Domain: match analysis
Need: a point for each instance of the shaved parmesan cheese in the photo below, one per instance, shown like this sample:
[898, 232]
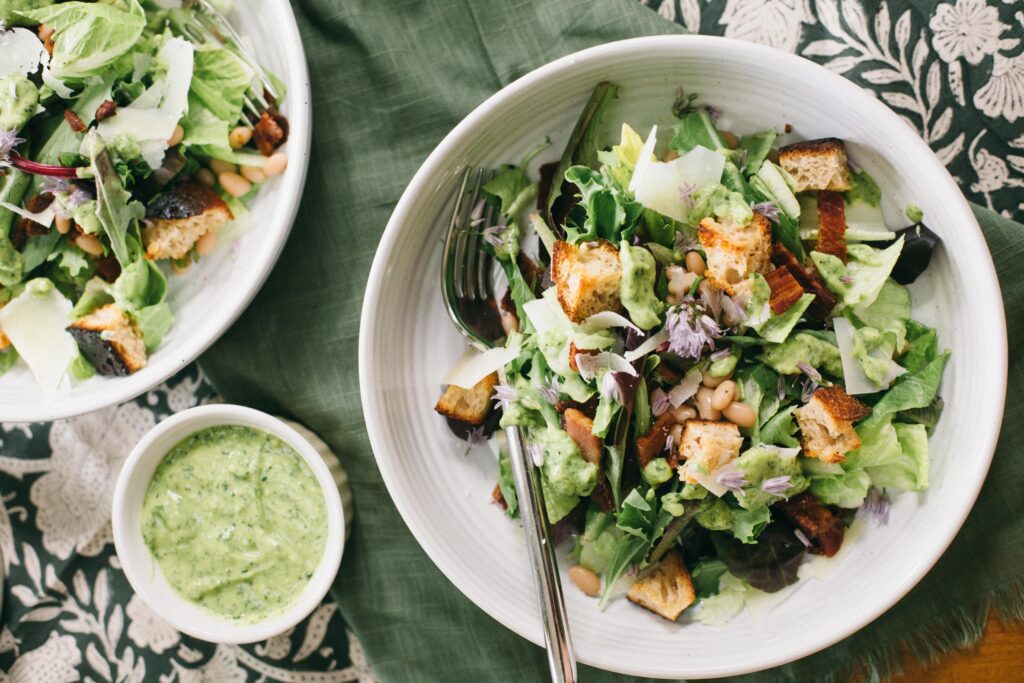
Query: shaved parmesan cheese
[697, 472]
[658, 185]
[590, 363]
[648, 346]
[43, 218]
[853, 375]
[686, 389]
[35, 322]
[474, 365]
[21, 51]
[606, 319]
[151, 118]
[545, 314]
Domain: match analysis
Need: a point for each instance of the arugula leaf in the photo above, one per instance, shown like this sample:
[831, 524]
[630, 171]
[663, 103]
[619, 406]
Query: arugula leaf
[696, 129]
[643, 523]
[609, 210]
[13, 186]
[117, 212]
[770, 565]
[706, 575]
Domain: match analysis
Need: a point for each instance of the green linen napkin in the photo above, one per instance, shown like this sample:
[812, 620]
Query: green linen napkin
[389, 80]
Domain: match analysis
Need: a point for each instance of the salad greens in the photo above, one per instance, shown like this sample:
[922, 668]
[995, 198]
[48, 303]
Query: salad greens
[712, 373]
[126, 140]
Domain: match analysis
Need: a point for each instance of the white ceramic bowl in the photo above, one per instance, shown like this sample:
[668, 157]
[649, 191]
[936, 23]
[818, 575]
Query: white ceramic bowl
[214, 292]
[142, 569]
[407, 344]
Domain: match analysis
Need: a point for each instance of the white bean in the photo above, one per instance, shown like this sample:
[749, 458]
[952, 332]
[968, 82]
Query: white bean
[586, 580]
[234, 184]
[275, 164]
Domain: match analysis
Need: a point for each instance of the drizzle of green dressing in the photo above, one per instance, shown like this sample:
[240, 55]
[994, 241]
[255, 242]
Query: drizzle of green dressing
[236, 520]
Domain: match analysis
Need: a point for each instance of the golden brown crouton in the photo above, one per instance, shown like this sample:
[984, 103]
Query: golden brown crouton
[178, 218]
[817, 164]
[826, 423]
[712, 443]
[110, 341]
[587, 278]
[667, 591]
[468, 405]
[735, 251]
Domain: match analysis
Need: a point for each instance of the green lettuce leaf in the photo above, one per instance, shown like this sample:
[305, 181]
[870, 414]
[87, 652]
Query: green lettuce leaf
[609, 209]
[804, 347]
[846, 489]
[720, 202]
[727, 601]
[760, 317]
[117, 212]
[908, 471]
[863, 188]
[757, 146]
[695, 129]
[780, 429]
[889, 312]
[867, 270]
[153, 322]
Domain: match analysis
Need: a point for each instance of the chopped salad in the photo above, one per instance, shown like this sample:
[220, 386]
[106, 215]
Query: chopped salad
[708, 343]
[131, 133]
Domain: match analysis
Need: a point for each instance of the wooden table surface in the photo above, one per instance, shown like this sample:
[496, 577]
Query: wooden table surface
[998, 658]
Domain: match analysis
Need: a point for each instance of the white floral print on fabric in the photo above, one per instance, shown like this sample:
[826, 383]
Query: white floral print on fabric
[968, 29]
[776, 23]
[56, 661]
[147, 630]
[1003, 95]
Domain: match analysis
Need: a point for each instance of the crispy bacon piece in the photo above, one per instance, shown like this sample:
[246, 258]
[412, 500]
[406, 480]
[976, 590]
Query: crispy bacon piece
[75, 121]
[270, 132]
[650, 445]
[786, 291]
[580, 429]
[824, 299]
[106, 110]
[26, 227]
[498, 497]
[589, 408]
[823, 529]
[108, 268]
[573, 353]
[831, 224]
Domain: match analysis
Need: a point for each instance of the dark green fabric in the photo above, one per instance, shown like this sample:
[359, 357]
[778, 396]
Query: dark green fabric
[389, 81]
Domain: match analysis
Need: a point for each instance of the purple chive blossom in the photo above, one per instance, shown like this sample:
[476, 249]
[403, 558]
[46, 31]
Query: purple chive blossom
[807, 390]
[536, 453]
[782, 387]
[732, 480]
[55, 185]
[877, 505]
[776, 486]
[713, 111]
[659, 402]
[767, 209]
[476, 216]
[719, 355]
[686, 194]
[743, 160]
[846, 280]
[609, 387]
[476, 437]
[670, 444]
[504, 395]
[551, 391]
[8, 141]
[811, 373]
[802, 537]
[494, 235]
[690, 330]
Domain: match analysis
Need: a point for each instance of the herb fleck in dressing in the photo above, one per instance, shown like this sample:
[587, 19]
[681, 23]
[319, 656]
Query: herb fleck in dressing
[236, 520]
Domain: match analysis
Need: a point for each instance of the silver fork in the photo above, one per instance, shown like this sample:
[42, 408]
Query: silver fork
[465, 284]
[209, 24]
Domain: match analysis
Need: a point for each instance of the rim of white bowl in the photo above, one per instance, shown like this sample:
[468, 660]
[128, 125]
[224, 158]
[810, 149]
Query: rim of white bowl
[136, 566]
[982, 270]
[289, 194]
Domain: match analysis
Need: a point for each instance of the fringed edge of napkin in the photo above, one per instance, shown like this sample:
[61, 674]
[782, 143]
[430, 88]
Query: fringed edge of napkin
[959, 630]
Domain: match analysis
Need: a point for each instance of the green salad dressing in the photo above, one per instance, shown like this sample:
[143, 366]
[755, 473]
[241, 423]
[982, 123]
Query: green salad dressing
[236, 520]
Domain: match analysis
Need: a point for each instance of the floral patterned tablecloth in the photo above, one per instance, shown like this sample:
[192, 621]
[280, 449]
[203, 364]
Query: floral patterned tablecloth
[954, 70]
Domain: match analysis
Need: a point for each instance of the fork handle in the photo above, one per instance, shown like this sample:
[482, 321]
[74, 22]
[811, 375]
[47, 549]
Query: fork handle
[561, 658]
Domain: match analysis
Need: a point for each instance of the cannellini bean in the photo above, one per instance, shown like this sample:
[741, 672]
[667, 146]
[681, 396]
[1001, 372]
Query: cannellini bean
[674, 271]
[239, 137]
[206, 243]
[63, 224]
[679, 286]
[724, 395]
[254, 174]
[712, 382]
[234, 184]
[177, 136]
[695, 263]
[740, 413]
[703, 399]
[90, 244]
[683, 413]
[220, 166]
[205, 176]
[275, 164]
[586, 580]
[676, 433]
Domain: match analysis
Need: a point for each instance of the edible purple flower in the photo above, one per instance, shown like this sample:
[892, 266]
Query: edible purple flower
[769, 210]
[812, 383]
[659, 402]
[802, 537]
[846, 280]
[670, 443]
[55, 185]
[713, 111]
[536, 453]
[686, 194]
[477, 214]
[877, 505]
[720, 354]
[690, 330]
[732, 480]
[505, 394]
[494, 235]
[782, 387]
[610, 388]
[476, 437]
[8, 141]
[551, 391]
[777, 486]
[812, 374]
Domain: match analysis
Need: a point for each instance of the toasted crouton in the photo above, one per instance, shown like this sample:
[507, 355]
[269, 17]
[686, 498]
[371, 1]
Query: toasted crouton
[735, 251]
[711, 443]
[826, 423]
[468, 405]
[667, 591]
[110, 341]
[817, 164]
[178, 218]
[587, 278]
[580, 429]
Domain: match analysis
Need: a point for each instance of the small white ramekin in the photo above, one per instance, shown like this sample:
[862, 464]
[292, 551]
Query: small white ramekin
[143, 570]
